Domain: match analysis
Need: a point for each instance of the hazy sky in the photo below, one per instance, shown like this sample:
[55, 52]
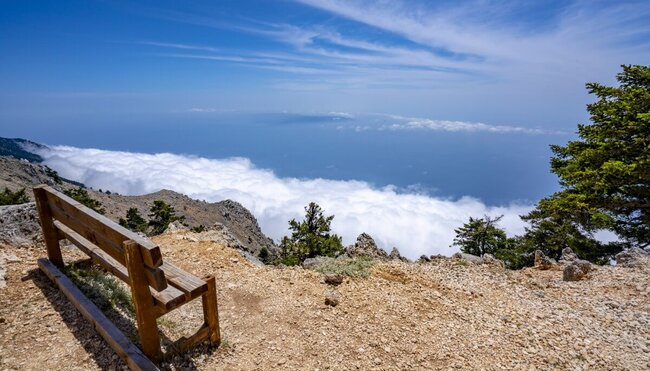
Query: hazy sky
[519, 63]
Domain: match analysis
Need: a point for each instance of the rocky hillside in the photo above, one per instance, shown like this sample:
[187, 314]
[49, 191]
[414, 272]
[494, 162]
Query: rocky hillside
[232, 216]
[443, 314]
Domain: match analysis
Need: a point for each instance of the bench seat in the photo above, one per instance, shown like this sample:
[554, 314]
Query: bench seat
[183, 286]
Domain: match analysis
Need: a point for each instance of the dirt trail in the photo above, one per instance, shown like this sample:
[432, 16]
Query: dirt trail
[439, 315]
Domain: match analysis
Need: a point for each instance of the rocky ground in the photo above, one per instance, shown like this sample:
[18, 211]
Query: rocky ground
[443, 314]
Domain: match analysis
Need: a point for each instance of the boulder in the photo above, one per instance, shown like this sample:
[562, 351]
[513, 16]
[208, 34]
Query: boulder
[332, 298]
[543, 262]
[468, 257]
[490, 259]
[568, 256]
[333, 279]
[176, 226]
[366, 247]
[576, 271]
[19, 225]
[395, 255]
[424, 259]
[632, 257]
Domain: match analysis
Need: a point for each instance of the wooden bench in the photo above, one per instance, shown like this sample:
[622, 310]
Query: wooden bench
[157, 287]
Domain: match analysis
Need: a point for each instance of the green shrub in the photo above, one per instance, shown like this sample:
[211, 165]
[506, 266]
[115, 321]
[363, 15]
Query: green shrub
[353, 267]
[103, 289]
[8, 197]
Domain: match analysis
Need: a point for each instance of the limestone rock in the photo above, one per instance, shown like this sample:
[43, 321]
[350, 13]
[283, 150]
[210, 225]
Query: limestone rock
[333, 279]
[19, 225]
[332, 298]
[395, 255]
[468, 257]
[632, 257]
[176, 226]
[366, 247]
[490, 259]
[576, 271]
[568, 256]
[543, 262]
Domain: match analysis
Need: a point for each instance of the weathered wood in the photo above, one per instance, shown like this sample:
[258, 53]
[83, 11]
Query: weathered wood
[126, 350]
[155, 276]
[185, 343]
[50, 235]
[99, 229]
[143, 302]
[156, 287]
[184, 281]
[211, 311]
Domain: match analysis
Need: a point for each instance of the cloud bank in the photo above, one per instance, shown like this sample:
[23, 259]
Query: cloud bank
[415, 223]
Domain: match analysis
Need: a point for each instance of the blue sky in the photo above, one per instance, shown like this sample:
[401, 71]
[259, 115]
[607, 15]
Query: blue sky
[521, 64]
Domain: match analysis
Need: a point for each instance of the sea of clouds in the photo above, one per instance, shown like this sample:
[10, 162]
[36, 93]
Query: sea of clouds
[415, 223]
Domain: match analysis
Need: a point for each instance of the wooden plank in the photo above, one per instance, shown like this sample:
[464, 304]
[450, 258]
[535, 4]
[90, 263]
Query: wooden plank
[50, 235]
[166, 299]
[100, 225]
[124, 348]
[155, 276]
[142, 301]
[211, 310]
[185, 343]
[184, 281]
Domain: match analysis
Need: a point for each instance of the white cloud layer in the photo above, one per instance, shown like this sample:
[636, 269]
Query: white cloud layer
[417, 224]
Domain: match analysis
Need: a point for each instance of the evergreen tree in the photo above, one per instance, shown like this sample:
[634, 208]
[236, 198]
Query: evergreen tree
[162, 214]
[310, 238]
[134, 221]
[605, 175]
[480, 236]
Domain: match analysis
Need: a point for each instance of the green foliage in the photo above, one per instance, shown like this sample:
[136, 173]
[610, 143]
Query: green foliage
[264, 255]
[199, 229]
[353, 267]
[605, 175]
[81, 195]
[103, 289]
[162, 214]
[609, 167]
[8, 197]
[310, 238]
[134, 221]
[480, 236]
[54, 175]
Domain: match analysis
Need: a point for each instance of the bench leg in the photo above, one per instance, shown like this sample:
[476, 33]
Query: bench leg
[143, 302]
[50, 234]
[211, 311]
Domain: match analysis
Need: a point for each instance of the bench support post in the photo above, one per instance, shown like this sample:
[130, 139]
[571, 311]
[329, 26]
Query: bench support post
[50, 234]
[210, 310]
[143, 302]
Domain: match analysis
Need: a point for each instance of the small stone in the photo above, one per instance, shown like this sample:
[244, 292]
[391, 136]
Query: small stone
[543, 262]
[332, 298]
[333, 279]
[576, 271]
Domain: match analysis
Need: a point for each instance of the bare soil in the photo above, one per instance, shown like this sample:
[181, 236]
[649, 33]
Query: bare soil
[441, 315]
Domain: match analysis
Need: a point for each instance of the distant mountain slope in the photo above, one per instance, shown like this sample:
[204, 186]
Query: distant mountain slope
[15, 147]
[16, 174]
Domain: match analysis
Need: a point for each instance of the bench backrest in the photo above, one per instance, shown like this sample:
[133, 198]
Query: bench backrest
[94, 233]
